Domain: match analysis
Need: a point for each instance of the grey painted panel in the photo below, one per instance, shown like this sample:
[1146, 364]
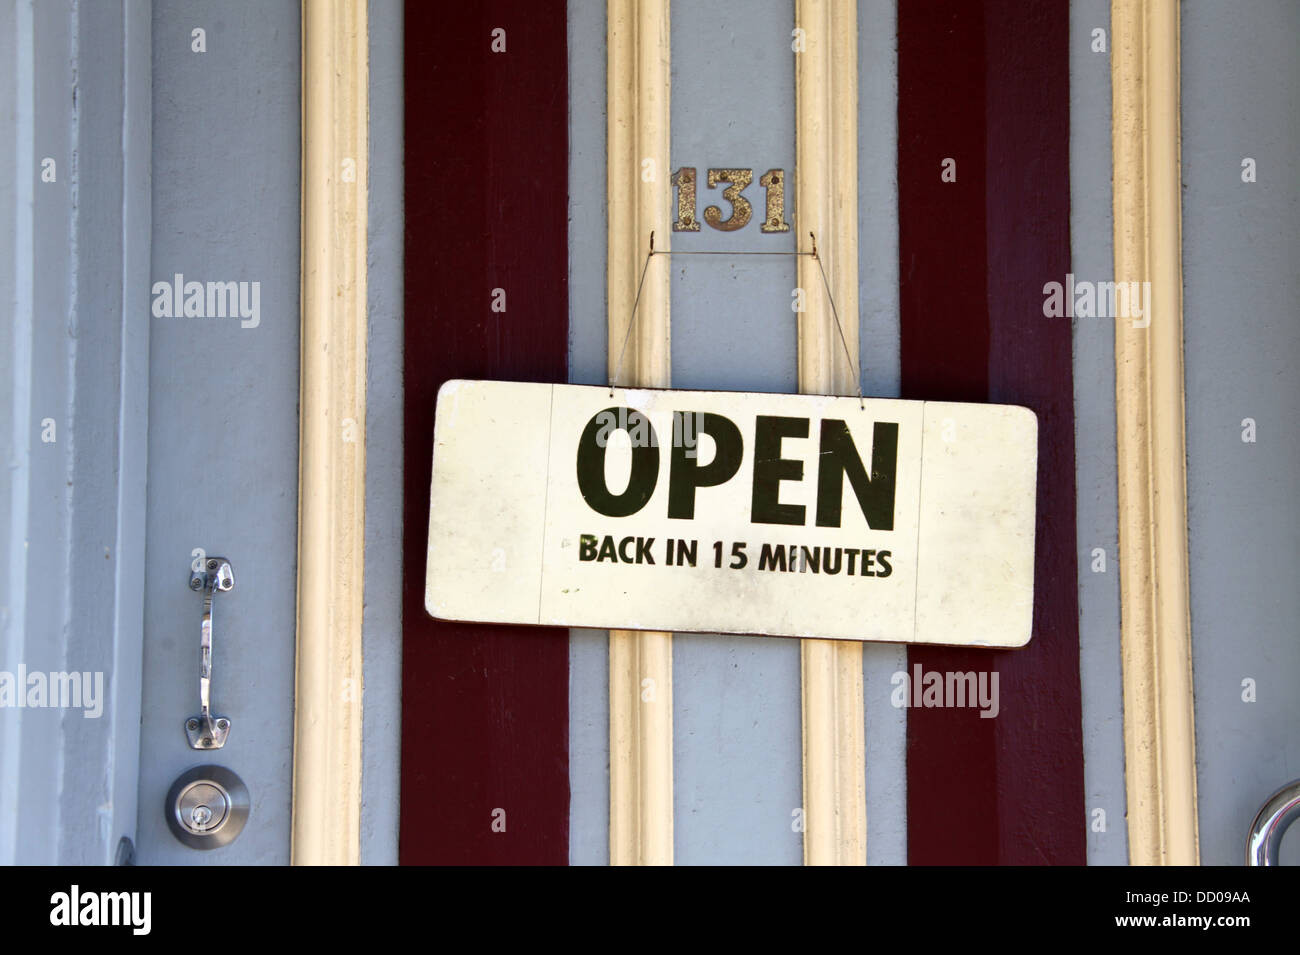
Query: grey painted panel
[77, 93]
[382, 622]
[133, 454]
[733, 328]
[588, 747]
[1241, 249]
[587, 216]
[16, 200]
[1094, 443]
[878, 331]
[737, 763]
[588, 649]
[37, 365]
[223, 424]
[110, 430]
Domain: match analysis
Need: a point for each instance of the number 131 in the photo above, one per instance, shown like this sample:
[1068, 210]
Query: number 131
[773, 181]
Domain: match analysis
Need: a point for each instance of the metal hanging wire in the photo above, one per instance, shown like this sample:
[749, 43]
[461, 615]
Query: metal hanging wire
[651, 253]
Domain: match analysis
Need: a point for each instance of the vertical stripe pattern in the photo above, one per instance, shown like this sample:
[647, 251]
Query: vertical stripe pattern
[332, 458]
[484, 708]
[1159, 732]
[983, 97]
[826, 200]
[640, 663]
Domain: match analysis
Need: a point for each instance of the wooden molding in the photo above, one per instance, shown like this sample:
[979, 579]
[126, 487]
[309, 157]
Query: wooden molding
[332, 443]
[1159, 726]
[640, 663]
[826, 204]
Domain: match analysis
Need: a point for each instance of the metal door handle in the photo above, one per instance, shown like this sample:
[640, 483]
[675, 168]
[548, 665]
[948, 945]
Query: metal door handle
[205, 731]
[1270, 825]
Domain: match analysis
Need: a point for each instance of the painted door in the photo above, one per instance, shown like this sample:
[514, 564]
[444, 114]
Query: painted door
[156, 182]
[223, 424]
[983, 159]
[223, 417]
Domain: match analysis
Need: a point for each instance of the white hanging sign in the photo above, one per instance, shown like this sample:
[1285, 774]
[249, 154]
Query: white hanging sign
[773, 514]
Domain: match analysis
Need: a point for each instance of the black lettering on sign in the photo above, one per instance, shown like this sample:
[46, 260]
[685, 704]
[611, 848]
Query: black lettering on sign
[882, 558]
[839, 456]
[682, 553]
[772, 557]
[685, 473]
[630, 550]
[770, 469]
[591, 463]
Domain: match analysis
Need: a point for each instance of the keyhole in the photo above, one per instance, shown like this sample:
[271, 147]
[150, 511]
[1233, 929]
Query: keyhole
[200, 816]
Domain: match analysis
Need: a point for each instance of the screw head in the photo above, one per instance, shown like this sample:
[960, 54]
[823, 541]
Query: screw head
[223, 724]
[191, 724]
[212, 565]
[196, 583]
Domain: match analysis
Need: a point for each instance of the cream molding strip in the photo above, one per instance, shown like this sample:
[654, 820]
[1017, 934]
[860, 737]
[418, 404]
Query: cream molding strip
[1159, 730]
[640, 663]
[826, 203]
[332, 442]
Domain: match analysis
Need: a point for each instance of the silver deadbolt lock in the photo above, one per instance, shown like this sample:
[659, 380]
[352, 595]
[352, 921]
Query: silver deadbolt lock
[207, 807]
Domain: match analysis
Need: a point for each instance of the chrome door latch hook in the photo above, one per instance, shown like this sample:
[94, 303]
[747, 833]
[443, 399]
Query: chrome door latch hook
[1264, 843]
[206, 731]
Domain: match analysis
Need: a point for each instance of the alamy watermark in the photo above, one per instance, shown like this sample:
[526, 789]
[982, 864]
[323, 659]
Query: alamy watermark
[131, 910]
[54, 690]
[936, 688]
[687, 427]
[1085, 299]
[181, 299]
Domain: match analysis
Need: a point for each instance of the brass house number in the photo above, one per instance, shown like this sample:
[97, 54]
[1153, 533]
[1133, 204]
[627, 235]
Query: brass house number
[773, 181]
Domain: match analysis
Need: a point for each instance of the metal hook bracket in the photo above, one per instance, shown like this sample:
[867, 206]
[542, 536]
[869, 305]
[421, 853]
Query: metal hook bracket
[205, 731]
[826, 282]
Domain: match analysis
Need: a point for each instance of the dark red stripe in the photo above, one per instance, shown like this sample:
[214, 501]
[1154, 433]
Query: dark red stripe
[944, 343]
[988, 85]
[485, 709]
